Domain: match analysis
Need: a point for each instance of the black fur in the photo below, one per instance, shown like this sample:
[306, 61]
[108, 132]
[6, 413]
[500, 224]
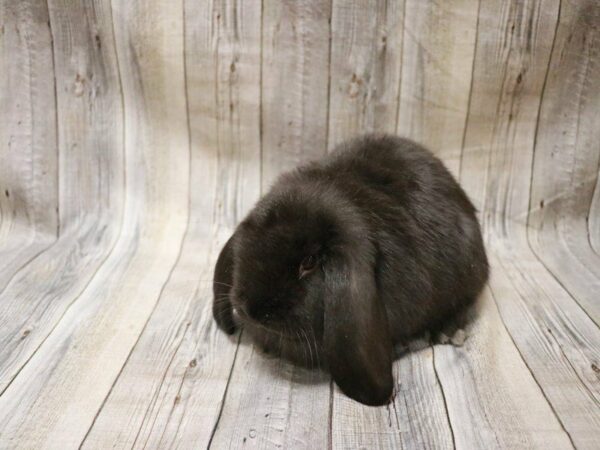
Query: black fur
[399, 251]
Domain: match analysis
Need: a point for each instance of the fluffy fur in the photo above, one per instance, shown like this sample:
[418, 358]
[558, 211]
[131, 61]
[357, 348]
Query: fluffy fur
[395, 249]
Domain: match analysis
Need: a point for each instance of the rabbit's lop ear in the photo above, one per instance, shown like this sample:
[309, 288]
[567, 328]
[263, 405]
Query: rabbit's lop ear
[356, 337]
[222, 282]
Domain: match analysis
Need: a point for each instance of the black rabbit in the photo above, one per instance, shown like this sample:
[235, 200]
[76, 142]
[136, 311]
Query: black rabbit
[348, 256]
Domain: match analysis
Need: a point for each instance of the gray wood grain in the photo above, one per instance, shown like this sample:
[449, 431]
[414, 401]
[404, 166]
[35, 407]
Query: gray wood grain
[270, 404]
[493, 400]
[295, 83]
[566, 157]
[437, 60]
[559, 352]
[134, 136]
[78, 362]
[90, 182]
[28, 141]
[185, 360]
[366, 54]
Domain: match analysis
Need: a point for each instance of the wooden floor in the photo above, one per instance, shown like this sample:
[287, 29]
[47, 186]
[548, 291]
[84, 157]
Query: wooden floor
[135, 135]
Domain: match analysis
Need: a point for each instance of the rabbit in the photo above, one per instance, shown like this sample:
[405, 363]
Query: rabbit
[348, 256]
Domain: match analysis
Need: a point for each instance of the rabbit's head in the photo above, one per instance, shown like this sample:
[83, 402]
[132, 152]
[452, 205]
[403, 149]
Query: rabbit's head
[303, 262]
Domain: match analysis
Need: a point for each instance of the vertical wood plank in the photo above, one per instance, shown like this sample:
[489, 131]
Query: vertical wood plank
[28, 164]
[91, 183]
[365, 77]
[295, 80]
[560, 352]
[366, 52]
[566, 157]
[513, 49]
[415, 419]
[493, 400]
[510, 72]
[172, 388]
[272, 404]
[28, 148]
[269, 403]
[439, 46]
[57, 394]
[594, 218]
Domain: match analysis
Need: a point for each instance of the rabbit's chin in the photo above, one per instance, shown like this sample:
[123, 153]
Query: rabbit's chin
[296, 348]
[271, 331]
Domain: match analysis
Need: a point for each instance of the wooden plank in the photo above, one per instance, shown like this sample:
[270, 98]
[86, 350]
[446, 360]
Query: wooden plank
[28, 146]
[263, 393]
[566, 158]
[272, 404]
[90, 186]
[415, 419]
[594, 219]
[438, 52]
[57, 394]
[557, 341]
[513, 48]
[493, 400]
[171, 390]
[28, 156]
[365, 70]
[295, 80]
[366, 53]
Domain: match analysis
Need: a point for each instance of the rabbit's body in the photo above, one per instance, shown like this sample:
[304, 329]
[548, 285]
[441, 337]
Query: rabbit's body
[398, 251]
[423, 229]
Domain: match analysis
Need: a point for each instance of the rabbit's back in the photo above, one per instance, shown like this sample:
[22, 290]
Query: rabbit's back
[431, 259]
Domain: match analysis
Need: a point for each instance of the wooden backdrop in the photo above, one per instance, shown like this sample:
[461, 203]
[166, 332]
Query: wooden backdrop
[135, 134]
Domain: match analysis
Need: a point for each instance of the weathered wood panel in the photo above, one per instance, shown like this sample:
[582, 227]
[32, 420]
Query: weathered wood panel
[566, 156]
[512, 67]
[171, 390]
[271, 404]
[493, 400]
[67, 379]
[135, 135]
[437, 62]
[417, 417]
[366, 62]
[295, 83]
[28, 141]
[90, 181]
[366, 54]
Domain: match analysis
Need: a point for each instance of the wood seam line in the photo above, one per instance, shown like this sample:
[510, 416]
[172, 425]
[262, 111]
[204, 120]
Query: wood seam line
[330, 424]
[327, 143]
[216, 425]
[328, 109]
[260, 99]
[446, 410]
[470, 97]
[523, 357]
[401, 62]
[595, 191]
[156, 393]
[539, 113]
[58, 203]
[133, 347]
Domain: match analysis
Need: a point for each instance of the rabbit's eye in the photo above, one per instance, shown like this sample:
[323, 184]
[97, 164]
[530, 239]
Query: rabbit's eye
[308, 264]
